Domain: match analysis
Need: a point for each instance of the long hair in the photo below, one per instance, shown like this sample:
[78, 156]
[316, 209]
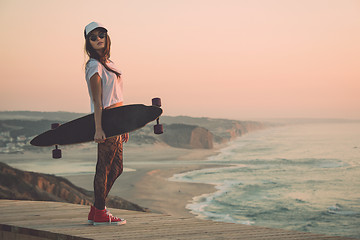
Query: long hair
[90, 51]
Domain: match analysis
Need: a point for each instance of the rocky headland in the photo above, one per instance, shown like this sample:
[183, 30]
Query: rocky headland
[23, 185]
[196, 133]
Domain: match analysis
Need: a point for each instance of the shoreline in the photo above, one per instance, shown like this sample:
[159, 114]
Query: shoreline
[149, 186]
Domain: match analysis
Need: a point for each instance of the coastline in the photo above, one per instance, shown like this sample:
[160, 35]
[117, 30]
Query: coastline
[148, 186]
[147, 168]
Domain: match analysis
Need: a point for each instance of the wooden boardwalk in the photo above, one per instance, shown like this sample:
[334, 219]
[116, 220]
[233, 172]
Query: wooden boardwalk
[31, 220]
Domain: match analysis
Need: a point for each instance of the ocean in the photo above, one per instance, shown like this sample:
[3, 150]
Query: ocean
[296, 177]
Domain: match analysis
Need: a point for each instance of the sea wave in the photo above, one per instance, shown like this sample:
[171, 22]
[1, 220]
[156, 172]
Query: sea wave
[285, 178]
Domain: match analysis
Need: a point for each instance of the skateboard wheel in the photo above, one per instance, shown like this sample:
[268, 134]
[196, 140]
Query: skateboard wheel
[156, 102]
[55, 125]
[56, 153]
[158, 129]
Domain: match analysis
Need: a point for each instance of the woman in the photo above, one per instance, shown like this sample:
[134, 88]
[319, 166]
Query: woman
[106, 91]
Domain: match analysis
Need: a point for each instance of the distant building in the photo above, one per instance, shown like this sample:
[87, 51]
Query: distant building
[21, 138]
[10, 145]
[5, 134]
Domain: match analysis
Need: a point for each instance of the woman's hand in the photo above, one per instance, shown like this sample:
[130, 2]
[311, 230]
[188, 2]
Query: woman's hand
[125, 137]
[99, 136]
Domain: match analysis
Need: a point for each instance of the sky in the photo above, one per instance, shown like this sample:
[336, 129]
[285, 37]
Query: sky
[237, 59]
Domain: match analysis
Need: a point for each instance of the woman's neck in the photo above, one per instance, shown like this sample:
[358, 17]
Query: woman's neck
[100, 52]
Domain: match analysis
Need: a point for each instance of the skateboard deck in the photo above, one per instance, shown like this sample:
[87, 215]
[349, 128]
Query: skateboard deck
[115, 121]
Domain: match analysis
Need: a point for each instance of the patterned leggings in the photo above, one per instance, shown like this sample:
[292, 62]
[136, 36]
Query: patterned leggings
[108, 168]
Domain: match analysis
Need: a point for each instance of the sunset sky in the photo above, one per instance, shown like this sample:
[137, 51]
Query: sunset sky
[239, 59]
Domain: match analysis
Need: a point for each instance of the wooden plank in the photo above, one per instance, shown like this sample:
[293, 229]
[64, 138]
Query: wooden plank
[197, 232]
[68, 221]
[20, 231]
[17, 236]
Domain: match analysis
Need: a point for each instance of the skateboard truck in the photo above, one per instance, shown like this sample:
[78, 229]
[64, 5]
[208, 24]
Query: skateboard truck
[56, 153]
[158, 128]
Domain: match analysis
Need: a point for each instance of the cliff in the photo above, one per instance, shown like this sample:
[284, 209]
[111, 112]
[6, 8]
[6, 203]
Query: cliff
[239, 128]
[192, 133]
[208, 131]
[187, 136]
[23, 185]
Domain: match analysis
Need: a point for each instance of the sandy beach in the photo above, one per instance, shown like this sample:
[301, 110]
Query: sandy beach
[145, 182]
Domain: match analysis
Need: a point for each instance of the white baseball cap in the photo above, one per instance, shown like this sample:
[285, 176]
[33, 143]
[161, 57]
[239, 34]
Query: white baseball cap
[91, 26]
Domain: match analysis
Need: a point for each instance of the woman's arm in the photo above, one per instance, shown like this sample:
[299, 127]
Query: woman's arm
[96, 90]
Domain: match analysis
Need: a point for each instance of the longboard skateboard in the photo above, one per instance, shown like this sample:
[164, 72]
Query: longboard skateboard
[115, 121]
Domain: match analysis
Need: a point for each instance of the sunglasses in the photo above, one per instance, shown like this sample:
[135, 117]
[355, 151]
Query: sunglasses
[94, 37]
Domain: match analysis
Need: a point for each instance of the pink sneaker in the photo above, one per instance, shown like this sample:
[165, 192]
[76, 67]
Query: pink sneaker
[105, 217]
[91, 215]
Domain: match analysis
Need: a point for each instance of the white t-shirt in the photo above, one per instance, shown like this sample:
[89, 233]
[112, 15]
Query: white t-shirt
[112, 87]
